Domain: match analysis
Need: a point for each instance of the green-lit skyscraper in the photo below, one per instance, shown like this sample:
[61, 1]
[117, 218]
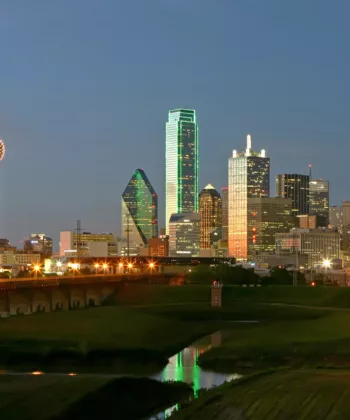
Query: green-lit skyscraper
[181, 163]
[139, 213]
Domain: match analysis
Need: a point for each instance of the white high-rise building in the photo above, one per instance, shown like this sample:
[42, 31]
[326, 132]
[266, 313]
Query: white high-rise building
[248, 177]
[181, 163]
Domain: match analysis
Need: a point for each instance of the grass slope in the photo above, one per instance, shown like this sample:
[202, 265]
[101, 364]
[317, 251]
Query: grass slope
[292, 395]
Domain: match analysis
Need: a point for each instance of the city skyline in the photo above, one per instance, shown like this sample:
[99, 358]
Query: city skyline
[78, 116]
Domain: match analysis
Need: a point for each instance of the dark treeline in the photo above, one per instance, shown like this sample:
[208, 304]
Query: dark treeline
[238, 275]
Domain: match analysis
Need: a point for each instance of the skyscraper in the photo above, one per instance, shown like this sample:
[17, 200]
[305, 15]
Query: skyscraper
[224, 200]
[210, 210]
[248, 177]
[267, 216]
[181, 163]
[319, 201]
[295, 187]
[139, 213]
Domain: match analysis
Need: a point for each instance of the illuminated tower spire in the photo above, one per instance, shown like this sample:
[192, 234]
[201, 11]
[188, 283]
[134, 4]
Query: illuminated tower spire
[249, 145]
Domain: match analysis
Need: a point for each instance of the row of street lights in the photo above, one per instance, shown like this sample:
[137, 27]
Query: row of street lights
[98, 266]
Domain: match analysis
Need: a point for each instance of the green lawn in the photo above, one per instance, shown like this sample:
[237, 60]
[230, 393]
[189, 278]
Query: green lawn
[101, 338]
[292, 395]
[317, 339]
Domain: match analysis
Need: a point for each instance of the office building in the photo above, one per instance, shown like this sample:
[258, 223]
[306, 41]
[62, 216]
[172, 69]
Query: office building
[345, 229]
[305, 221]
[210, 211]
[318, 245]
[224, 202]
[248, 177]
[21, 258]
[158, 247]
[39, 242]
[139, 214]
[319, 201]
[184, 235]
[86, 244]
[181, 163]
[296, 187]
[267, 217]
[336, 216]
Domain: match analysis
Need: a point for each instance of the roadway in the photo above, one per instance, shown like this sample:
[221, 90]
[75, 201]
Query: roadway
[54, 281]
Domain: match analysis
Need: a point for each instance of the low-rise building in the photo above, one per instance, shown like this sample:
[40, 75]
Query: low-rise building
[184, 235]
[13, 257]
[318, 244]
[158, 247]
[88, 244]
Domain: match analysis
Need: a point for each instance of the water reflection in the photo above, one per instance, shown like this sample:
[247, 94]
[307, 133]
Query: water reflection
[183, 367]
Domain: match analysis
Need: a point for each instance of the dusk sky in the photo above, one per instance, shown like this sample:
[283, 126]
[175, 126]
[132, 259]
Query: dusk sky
[86, 85]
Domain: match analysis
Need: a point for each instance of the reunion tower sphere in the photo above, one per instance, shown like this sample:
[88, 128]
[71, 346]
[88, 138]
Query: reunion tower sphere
[2, 150]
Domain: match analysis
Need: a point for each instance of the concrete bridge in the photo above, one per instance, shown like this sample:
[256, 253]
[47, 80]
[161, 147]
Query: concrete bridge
[28, 295]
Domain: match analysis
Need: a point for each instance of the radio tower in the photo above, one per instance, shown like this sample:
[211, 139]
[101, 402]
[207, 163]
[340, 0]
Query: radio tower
[310, 171]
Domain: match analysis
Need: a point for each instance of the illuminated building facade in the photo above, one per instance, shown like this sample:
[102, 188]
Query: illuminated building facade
[307, 222]
[139, 214]
[86, 244]
[319, 201]
[336, 216]
[224, 200]
[267, 217]
[318, 244]
[210, 211]
[158, 247]
[184, 235]
[296, 187]
[248, 177]
[181, 163]
[39, 242]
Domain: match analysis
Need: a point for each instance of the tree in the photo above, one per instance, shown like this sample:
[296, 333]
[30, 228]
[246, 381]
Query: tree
[201, 273]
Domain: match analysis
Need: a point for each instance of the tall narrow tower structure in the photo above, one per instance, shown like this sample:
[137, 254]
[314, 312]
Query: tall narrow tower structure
[248, 177]
[181, 163]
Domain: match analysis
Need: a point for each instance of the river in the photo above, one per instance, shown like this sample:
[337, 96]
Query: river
[183, 367]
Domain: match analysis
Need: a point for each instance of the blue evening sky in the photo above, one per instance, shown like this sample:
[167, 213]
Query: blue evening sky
[85, 86]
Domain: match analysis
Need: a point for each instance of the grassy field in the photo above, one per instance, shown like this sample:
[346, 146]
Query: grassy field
[140, 333]
[65, 397]
[133, 294]
[292, 395]
[151, 323]
[125, 339]
[309, 339]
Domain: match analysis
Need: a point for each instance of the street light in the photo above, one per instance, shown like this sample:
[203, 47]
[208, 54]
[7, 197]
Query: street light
[105, 266]
[97, 267]
[36, 269]
[326, 263]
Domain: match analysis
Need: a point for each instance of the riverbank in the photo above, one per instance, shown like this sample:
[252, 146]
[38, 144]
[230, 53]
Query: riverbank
[297, 394]
[316, 340]
[112, 339]
[71, 397]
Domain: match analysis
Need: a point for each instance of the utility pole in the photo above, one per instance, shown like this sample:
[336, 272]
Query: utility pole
[128, 230]
[78, 232]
